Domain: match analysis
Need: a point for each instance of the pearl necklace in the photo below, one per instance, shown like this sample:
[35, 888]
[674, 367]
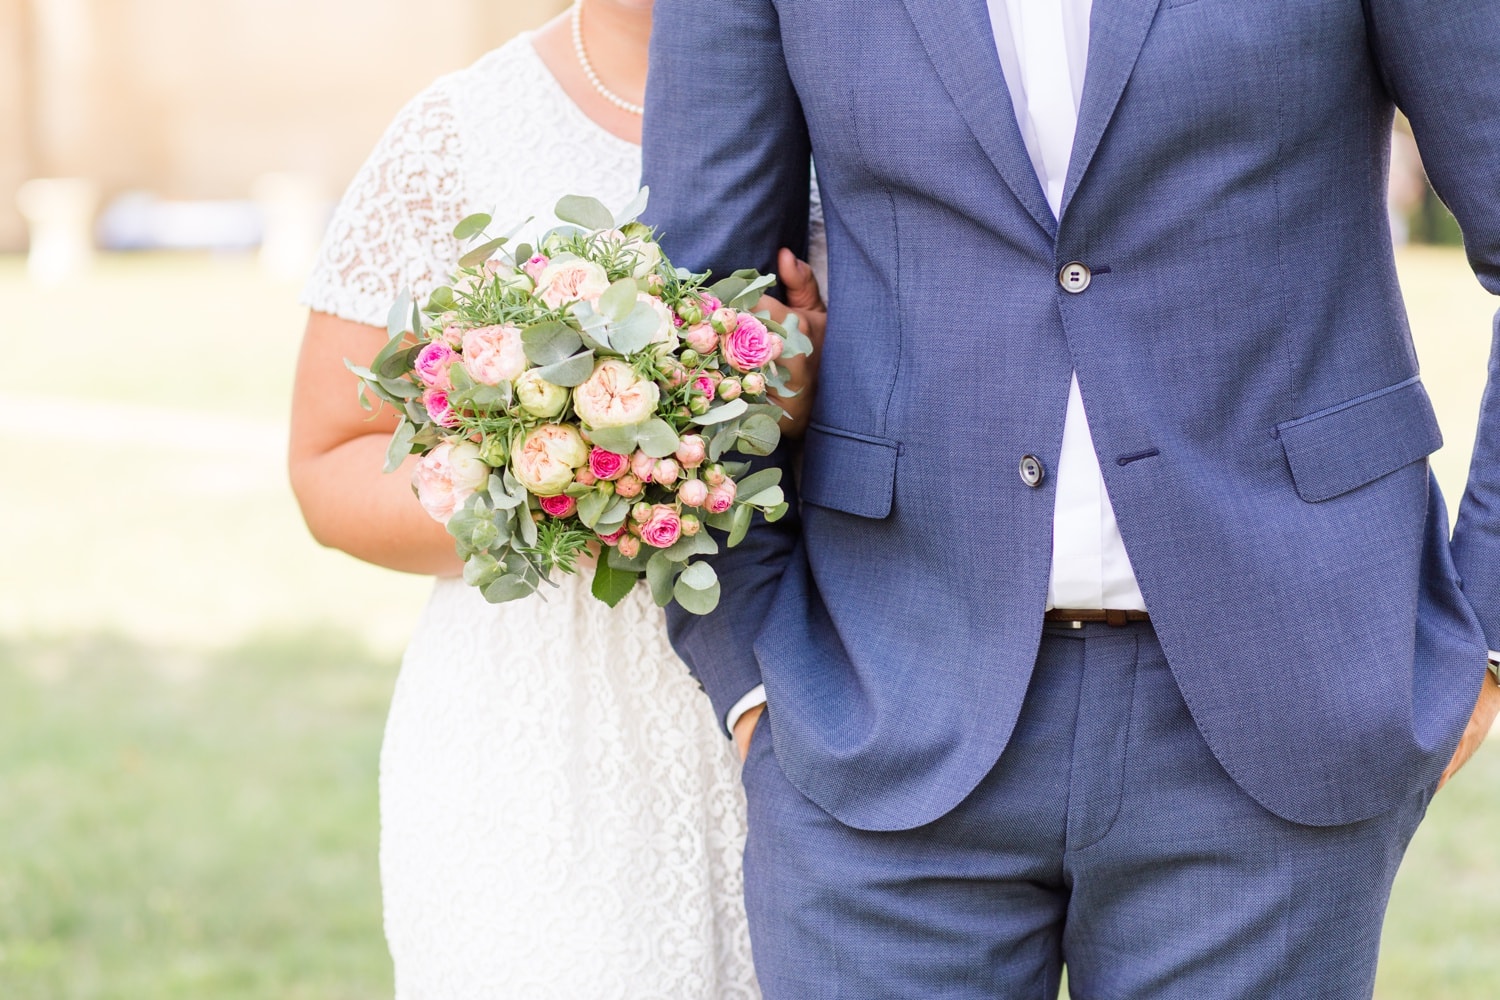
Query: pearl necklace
[588, 67]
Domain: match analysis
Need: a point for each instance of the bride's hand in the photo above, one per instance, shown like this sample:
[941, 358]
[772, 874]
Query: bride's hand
[803, 298]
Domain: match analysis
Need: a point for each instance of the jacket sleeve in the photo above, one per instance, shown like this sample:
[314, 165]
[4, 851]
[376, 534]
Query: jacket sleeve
[1439, 59]
[727, 158]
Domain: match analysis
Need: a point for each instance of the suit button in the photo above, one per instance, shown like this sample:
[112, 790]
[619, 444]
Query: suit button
[1032, 472]
[1074, 277]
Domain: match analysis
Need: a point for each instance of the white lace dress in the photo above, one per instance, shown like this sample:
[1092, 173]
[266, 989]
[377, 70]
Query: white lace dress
[560, 813]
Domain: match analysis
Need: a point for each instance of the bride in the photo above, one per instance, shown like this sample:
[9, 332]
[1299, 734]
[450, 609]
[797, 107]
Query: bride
[560, 813]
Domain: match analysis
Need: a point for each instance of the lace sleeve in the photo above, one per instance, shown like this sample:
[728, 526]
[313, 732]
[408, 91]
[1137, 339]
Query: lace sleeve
[393, 227]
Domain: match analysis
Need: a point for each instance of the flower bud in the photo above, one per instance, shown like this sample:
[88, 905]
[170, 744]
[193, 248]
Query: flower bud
[714, 475]
[628, 486]
[539, 397]
[494, 451]
[755, 383]
[698, 405]
[629, 546]
[702, 338]
[642, 465]
[730, 389]
[691, 451]
[690, 312]
[689, 357]
[655, 283]
[724, 320]
[721, 497]
[641, 512]
[613, 537]
[691, 525]
[585, 477]
[693, 493]
[667, 472]
[536, 265]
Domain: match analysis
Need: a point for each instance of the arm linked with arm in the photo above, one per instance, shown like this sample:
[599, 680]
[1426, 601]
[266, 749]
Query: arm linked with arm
[727, 158]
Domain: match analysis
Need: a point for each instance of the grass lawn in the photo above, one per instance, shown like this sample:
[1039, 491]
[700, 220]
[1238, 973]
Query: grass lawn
[191, 692]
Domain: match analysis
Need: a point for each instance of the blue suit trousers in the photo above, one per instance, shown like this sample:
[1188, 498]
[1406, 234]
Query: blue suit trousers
[1107, 839]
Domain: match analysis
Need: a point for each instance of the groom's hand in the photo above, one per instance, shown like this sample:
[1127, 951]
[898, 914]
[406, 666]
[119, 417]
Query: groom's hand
[1478, 728]
[804, 298]
[744, 728]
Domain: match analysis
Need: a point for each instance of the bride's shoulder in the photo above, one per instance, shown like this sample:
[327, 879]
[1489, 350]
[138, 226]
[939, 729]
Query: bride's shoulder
[512, 75]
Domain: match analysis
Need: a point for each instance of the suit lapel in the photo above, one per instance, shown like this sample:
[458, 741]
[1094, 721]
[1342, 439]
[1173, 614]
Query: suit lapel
[961, 45]
[1117, 31]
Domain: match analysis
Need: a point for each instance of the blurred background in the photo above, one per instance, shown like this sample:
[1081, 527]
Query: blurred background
[191, 691]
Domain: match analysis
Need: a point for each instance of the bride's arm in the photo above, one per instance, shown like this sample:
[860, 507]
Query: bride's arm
[337, 452]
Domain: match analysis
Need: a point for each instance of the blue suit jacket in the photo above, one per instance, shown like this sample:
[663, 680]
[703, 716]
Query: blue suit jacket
[1243, 353]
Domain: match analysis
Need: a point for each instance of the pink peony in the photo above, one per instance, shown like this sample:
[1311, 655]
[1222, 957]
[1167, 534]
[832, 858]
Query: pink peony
[447, 476]
[691, 451]
[439, 409]
[432, 364]
[721, 497]
[561, 505]
[748, 345]
[615, 396]
[667, 472]
[571, 279]
[705, 387]
[642, 465]
[614, 536]
[607, 465]
[701, 338]
[544, 460]
[693, 493]
[664, 527]
[493, 354]
[628, 486]
[535, 266]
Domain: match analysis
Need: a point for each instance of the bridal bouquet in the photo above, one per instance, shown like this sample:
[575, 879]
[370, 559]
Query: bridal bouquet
[576, 398]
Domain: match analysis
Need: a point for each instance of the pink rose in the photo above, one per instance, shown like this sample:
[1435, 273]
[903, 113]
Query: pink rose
[629, 545]
[705, 386]
[667, 472]
[607, 465]
[535, 266]
[710, 303]
[721, 497]
[628, 486]
[664, 527]
[561, 505]
[701, 338]
[748, 345]
[432, 364]
[447, 476]
[642, 465]
[614, 536]
[494, 354]
[693, 493]
[439, 409]
[615, 396]
[571, 279]
[691, 451]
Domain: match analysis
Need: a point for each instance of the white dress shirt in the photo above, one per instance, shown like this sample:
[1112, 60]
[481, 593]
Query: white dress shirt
[1043, 46]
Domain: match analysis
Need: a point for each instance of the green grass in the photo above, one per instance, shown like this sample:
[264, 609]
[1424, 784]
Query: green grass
[192, 692]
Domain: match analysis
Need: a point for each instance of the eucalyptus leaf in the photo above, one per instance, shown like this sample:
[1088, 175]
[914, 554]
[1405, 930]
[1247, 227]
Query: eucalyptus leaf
[571, 372]
[610, 522]
[509, 588]
[633, 211]
[701, 544]
[632, 334]
[441, 300]
[395, 321]
[612, 585]
[723, 440]
[550, 342]
[399, 363]
[400, 445]
[797, 342]
[741, 528]
[722, 412]
[725, 289]
[776, 513]
[593, 506]
[525, 252]
[461, 379]
[735, 470]
[401, 389]
[501, 497]
[588, 213]
[618, 561]
[484, 535]
[620, 440]
[696, 602]
[416, 319]
[758, 435]
[491, 397]
[755, 482]
[471, 226]
[723, 522]
[770, 497]
[617, 511]
[657, 439]
[659, 573]
[481, 253]
[526, 527]
[394, 344]
[619, 301]
[751, 293]
[361, 371]
[481, 569]
[698, 576]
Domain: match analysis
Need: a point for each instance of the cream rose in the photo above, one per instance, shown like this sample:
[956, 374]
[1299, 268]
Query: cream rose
[544, 459]
[665, 336]
[494, 354]
[539, 397]
[615, 396]
[447, 476]
[571, 279]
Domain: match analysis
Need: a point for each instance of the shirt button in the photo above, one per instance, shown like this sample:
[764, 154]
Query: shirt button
[1074, 277]
[1032, 472]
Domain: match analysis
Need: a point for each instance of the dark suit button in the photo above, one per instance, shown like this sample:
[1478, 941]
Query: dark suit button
[1032, 472]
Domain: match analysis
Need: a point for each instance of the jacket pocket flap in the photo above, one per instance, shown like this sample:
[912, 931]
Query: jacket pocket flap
[1356, 442]
[849, 472]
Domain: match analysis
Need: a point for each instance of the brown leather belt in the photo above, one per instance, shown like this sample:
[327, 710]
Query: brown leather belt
[1078, 617]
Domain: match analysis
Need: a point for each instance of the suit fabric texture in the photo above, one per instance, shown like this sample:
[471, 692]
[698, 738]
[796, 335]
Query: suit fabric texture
[1242, 350]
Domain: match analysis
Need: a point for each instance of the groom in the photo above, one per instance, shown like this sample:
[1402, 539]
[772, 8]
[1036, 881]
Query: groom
[1121, 628]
